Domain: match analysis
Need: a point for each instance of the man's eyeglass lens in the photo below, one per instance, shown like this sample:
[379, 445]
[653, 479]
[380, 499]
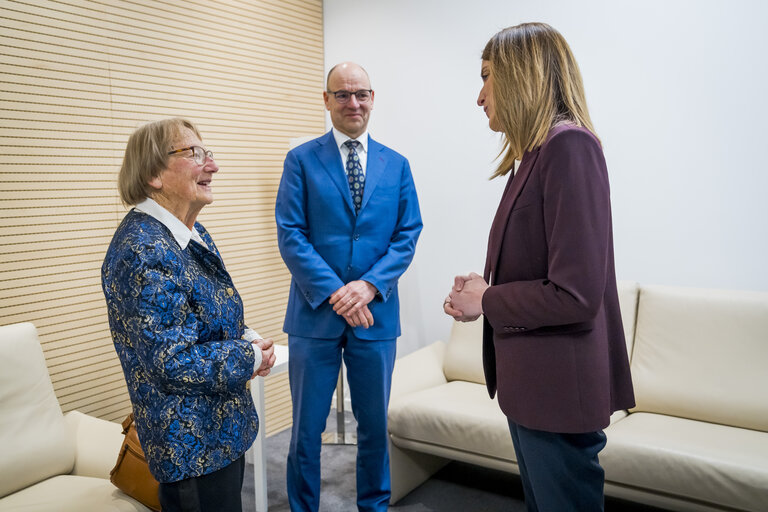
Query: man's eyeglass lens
[363, 96]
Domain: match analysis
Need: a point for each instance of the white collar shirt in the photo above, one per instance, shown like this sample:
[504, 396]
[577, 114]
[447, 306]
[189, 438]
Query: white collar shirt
[181, 233]
[362, 149]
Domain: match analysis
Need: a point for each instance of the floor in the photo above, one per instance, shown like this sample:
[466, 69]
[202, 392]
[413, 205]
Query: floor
[459, 487]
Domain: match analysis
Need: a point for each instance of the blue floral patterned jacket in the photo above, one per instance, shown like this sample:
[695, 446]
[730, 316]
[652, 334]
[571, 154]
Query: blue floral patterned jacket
[176, 322]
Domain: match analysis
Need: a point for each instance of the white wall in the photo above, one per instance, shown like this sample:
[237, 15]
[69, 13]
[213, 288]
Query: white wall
[676, 89]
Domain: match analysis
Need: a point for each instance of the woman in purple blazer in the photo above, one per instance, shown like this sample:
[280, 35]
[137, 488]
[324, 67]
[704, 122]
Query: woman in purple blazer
[553, 342]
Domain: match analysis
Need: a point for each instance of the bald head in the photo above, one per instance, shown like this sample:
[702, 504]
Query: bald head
[346, 67]
[349, 112]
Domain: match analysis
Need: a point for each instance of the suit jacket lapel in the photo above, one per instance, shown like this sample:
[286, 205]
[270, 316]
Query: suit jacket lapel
[328, 154]
[511, 193]
[374, 169]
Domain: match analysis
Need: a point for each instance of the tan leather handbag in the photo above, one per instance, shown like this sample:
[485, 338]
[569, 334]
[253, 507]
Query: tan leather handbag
[131, 472]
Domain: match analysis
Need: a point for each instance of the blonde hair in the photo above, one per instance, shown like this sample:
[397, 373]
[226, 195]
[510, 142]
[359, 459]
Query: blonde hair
[536, 84]
[146, 155]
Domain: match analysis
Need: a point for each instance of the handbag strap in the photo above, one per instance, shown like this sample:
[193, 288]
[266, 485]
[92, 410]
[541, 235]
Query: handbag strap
[127, 423]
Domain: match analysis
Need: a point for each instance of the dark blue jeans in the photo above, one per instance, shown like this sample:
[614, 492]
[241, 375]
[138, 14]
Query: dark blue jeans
[560, 472]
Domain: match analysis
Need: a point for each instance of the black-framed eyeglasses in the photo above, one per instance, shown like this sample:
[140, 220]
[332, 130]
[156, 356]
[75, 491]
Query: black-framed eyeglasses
[342, 96]
[199, 154]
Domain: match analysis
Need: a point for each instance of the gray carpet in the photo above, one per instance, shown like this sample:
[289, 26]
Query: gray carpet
[458, 487]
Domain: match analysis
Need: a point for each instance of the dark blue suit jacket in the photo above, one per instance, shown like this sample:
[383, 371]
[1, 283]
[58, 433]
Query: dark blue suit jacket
[325, 245]
[176, 322]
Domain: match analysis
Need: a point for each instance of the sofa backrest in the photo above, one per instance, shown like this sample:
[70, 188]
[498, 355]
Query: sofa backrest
[464, 353]
[628, 295]
[35, 442]
[702, 354]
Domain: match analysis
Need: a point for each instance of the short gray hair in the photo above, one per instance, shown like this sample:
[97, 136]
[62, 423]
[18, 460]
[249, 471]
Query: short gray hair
[146, 155]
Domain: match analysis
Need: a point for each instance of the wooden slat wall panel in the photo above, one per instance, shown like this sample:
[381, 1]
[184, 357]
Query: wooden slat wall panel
[76, 78]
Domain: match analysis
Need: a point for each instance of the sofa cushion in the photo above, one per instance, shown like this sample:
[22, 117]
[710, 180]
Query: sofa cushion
[701, 354]
[688, 459]
[97, 442]
[66, 493]
[464, 353]
[35, 443]
[458, 415]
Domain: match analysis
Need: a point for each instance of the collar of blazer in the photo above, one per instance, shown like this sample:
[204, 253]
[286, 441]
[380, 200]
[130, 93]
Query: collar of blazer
[328, 154]
[512, 191]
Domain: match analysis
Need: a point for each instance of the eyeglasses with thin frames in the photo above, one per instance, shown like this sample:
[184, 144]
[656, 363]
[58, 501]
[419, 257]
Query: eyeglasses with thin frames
[342, 96]
[199, 154]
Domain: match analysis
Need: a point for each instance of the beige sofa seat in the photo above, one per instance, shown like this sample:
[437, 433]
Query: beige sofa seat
[70, 493]
[50, 461]
[430, 420]
[661, 460]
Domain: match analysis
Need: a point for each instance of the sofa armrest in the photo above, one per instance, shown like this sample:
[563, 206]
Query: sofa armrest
[97, 444]
[419, 370]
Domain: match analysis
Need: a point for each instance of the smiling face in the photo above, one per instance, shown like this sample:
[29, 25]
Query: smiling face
[485, 98]
[350, 118]
[184, 187]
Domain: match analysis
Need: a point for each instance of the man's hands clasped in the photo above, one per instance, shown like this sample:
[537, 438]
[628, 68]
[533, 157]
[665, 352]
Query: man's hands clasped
[351, 302]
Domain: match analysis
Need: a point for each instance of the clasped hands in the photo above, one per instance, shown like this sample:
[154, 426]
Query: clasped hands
[267, 356]
[351, 302]
[465, 302]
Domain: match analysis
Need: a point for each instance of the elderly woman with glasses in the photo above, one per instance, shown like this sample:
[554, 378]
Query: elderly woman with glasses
[177, 324]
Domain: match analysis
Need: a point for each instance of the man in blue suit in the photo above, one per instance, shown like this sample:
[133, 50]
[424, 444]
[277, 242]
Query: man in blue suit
[347, 224]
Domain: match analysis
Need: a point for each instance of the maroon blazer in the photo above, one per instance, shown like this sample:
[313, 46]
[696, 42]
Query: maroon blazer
[553, 341]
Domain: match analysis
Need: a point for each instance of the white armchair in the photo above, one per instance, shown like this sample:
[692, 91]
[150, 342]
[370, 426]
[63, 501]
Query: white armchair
[50, 461]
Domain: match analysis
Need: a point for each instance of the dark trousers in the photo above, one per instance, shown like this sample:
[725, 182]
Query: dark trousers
[560, 472]
[215, 492]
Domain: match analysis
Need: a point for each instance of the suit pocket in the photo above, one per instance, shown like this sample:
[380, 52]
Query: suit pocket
[522, 206]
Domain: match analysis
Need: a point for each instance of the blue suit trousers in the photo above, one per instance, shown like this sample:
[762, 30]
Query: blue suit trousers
[313, 373]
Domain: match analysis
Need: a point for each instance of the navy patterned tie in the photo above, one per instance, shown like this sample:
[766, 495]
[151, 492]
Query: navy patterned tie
[355, 175]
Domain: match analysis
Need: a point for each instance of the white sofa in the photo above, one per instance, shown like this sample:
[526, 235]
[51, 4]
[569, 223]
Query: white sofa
[50, 461]
[697, 439]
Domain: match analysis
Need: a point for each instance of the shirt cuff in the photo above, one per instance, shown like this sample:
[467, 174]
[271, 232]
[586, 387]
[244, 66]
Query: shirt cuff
[251, 335]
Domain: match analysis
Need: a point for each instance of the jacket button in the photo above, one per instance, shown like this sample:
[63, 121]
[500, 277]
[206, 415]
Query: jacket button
[357, 237]
[230, 292]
